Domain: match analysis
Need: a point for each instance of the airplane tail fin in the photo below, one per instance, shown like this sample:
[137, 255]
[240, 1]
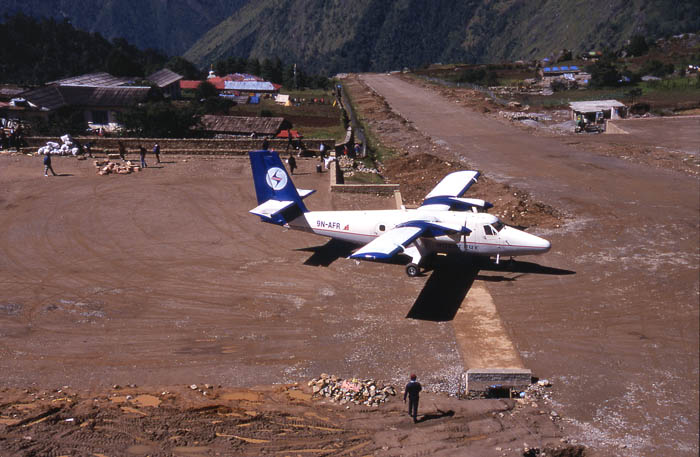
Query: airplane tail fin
[279, 201]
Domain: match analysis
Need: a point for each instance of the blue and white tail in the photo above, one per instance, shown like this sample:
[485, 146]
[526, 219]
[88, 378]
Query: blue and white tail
[279, 202]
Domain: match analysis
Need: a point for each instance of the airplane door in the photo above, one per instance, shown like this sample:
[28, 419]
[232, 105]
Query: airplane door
[492, 241]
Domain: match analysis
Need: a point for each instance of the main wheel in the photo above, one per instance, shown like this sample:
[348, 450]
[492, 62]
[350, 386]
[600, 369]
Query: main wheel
[412, 270]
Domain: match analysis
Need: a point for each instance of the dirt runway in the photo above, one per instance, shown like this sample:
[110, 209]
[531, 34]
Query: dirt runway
[163, 277]
[620, 336]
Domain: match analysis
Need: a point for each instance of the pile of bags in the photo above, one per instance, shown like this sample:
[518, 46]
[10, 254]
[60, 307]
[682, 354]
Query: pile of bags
[69, 147]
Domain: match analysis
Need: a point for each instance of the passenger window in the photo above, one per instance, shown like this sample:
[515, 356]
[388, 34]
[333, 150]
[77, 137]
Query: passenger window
[382, 228]
[488, 230]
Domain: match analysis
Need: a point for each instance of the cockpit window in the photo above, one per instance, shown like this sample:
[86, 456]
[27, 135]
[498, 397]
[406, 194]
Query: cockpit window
[488, 230]
[498, 225]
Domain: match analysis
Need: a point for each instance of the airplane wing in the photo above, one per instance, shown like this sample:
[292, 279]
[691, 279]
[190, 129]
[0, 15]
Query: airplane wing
[453, 185]
[388, 244]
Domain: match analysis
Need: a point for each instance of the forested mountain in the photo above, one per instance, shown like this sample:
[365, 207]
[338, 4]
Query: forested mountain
[170, 26]
[45, 50]
[333, 35]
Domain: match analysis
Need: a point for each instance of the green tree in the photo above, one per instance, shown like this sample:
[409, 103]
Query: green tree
[206, 90]
[160, 120]
[253, 66]
[638, 46]
[184, 67]
[267, 69]
[604, 74]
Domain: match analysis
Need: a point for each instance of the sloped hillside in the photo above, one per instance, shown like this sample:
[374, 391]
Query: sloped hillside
[171, 26]
[332, 36]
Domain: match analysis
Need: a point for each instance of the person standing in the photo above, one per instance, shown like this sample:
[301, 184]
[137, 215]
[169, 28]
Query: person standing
[47, 165]
[412, 390]
[322, 151]
[142, 154]
[122, 150]
[290, 140]
[265, 144]
[156, 152]
[291, 161]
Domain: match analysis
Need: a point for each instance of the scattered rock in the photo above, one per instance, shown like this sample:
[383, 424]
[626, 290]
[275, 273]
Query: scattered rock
[366, 392]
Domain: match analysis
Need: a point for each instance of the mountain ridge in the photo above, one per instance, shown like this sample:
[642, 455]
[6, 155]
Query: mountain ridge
[376, 35]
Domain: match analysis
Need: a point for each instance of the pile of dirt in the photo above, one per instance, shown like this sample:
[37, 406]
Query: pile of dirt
[418, 171]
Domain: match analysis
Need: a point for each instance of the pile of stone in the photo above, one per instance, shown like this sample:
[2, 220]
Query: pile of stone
[105, 167]
[360, 392]
[350, 166]
[519, 115]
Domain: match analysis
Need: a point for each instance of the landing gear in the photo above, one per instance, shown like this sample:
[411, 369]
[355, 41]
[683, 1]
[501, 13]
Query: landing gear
[412, 270]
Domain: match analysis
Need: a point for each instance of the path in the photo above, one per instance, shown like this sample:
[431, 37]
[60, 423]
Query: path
[620, 337]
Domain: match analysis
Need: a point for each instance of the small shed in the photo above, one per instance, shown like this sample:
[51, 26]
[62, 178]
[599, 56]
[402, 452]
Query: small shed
[244, 126]
[611, 109]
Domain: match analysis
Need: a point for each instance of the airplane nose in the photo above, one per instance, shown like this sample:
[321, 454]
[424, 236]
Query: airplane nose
[546, 245]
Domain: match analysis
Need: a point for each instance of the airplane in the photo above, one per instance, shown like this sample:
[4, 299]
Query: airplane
[444, 223]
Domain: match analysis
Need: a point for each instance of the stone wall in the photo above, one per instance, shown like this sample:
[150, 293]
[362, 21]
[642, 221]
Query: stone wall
[202, 146]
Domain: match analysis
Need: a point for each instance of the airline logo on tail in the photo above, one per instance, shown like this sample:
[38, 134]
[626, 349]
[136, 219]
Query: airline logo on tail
[276, 178]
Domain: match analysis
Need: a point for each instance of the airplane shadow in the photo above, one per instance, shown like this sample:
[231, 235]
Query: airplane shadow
[451, 280]
[444, 292]
[328, 253]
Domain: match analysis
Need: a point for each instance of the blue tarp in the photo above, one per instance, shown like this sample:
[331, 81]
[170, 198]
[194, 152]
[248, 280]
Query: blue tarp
[254, 100]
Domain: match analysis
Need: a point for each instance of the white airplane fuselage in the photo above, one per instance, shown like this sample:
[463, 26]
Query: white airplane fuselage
[488, 237]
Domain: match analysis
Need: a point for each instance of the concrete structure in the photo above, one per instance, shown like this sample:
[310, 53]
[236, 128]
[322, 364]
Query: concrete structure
[480, 379]
[611, 109]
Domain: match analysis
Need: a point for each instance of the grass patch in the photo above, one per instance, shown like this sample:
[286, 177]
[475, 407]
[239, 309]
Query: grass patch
[337, 133]
[364, 178]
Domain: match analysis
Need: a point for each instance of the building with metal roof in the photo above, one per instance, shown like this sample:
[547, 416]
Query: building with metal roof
[597, 111]
[168, 81]
[99, 105]
[258, 87]
[244, 126]
[99, 79]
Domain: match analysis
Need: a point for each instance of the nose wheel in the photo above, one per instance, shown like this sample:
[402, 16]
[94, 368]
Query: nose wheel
[412, 270]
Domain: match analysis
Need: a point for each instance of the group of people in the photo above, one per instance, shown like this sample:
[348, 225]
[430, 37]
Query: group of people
[142, 153]
[13, 140]
[122, 154]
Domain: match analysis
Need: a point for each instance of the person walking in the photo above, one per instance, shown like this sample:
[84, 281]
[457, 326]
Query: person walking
[142, 154]
[291, 161]
[156, 152]
[412, 390]
[47, 165]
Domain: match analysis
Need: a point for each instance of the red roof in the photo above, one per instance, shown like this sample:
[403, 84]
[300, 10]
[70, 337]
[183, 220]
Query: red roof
[219, 81]
[285, 134]
[190, 84]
